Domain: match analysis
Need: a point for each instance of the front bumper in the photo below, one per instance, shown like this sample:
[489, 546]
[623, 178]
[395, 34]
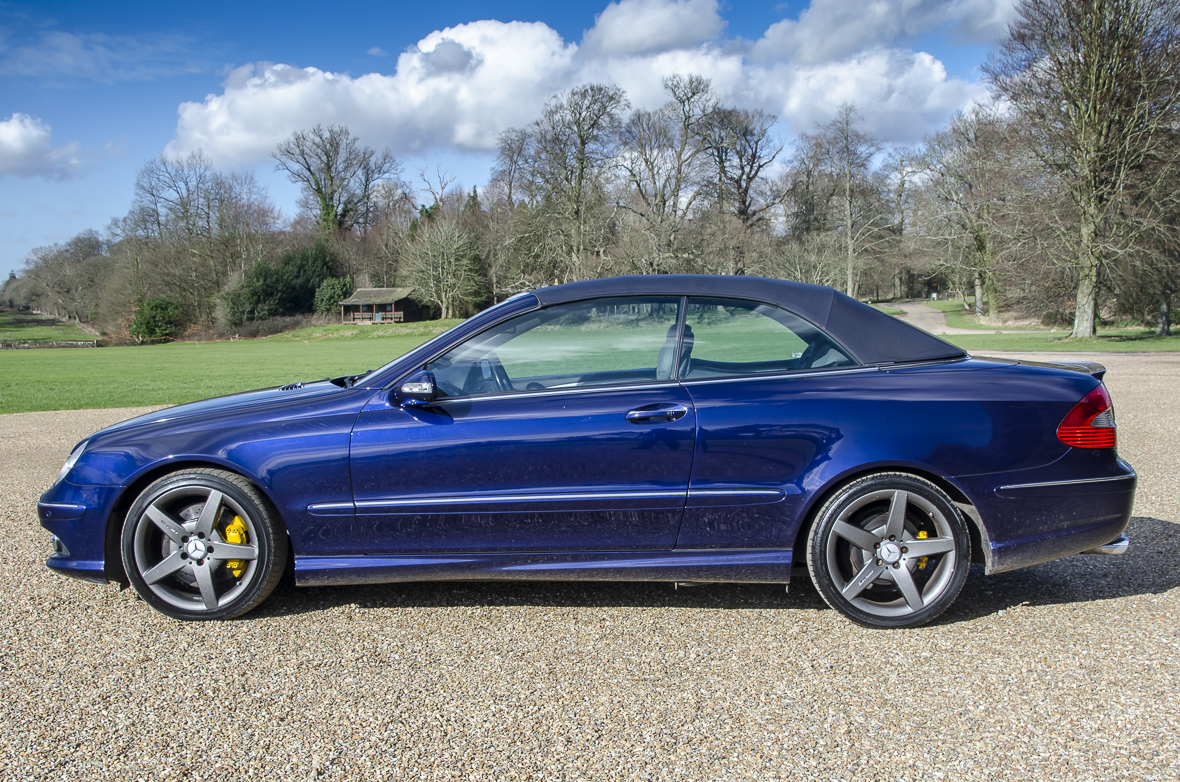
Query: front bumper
[77, 518]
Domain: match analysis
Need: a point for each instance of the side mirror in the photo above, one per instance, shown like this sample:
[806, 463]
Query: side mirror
[418, 390]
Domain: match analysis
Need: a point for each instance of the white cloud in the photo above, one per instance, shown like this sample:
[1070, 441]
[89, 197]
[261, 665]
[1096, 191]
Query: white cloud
[26, 149]
[832, 29]
[901, 94]
[630, 27]
[377, 51]
[458, 88]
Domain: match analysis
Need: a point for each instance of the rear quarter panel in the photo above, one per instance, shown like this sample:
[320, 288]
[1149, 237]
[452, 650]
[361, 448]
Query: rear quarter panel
[805, 434]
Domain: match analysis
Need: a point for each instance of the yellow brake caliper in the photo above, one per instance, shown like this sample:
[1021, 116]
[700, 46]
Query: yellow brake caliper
[235, 533]
[921, 536]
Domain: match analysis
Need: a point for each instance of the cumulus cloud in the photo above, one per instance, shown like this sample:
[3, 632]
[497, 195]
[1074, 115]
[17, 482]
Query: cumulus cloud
[831, 29]
[460, 87]
[631, 27]
[26, 149]
[901, 94]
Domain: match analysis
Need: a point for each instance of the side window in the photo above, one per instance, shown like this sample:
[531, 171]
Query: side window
[586, 343]
[726, 337]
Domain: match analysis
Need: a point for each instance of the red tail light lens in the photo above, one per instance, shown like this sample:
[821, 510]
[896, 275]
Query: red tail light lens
[1091, 422]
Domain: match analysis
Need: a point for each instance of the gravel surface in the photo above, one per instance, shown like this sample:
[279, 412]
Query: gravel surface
[1063, 671]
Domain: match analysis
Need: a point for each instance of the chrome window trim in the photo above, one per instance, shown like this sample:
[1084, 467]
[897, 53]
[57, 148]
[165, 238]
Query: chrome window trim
[1130, 477]
[641, 385]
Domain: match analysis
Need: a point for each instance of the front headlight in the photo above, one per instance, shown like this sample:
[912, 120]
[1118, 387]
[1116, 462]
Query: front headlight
[70, 462]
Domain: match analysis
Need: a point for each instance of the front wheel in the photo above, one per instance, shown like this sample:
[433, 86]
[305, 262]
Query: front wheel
[203, 544]
[889, 550]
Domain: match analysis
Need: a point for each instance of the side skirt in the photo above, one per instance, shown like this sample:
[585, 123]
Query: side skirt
[714, 565]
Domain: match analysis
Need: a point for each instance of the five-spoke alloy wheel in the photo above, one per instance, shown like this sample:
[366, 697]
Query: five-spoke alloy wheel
[203, 544]
[889, 550]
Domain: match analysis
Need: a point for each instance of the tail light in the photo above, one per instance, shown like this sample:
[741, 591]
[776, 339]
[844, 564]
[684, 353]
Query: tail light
[1091, 422]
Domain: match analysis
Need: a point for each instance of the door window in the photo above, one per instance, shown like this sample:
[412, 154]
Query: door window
[726, 337]
[598, 342]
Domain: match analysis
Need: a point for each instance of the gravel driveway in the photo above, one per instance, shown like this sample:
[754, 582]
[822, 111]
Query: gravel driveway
[1063, 671]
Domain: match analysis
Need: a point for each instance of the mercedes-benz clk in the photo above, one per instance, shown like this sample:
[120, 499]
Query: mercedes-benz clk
[675, 428]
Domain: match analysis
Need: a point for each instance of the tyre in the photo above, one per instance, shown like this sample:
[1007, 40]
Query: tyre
[203, 544]
[889, 550]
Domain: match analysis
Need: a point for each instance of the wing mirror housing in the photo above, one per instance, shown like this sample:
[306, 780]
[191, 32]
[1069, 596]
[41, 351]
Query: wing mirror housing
[418, 390]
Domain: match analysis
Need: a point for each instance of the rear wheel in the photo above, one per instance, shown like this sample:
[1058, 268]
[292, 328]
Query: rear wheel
[889, 550]
[203, 544]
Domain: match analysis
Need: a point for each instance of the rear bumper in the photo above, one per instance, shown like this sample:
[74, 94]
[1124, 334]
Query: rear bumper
[1042, 515]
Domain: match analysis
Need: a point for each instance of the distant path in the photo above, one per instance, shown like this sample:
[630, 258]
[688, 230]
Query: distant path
[929, 319]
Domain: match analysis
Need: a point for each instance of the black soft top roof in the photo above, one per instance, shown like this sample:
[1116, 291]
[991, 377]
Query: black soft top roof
[871, 335]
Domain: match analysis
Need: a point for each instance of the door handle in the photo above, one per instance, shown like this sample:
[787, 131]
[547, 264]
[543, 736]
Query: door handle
[657, 414]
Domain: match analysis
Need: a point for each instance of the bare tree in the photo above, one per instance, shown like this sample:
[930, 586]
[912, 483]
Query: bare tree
[339, 175]
[1096, 81]
[849, 151]
[440, 264]
[741, 147]
[967, 178]
[663, 157]
[576, 144]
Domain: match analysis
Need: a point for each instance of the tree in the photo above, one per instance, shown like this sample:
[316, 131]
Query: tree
[440, 263]
[1096, 82]
[663, 156]
[966, 172]
[575, 146]
[191, 232]
[849, 152]
[741, 147]
[339, 175]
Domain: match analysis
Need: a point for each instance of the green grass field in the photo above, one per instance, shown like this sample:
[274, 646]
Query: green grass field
[1114, 341]
[26, 325]
[73, 379]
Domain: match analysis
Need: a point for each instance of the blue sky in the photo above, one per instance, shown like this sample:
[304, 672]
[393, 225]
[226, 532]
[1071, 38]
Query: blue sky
[89, 92]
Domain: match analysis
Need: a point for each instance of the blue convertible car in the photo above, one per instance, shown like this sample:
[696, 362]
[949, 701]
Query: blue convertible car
[676, 428]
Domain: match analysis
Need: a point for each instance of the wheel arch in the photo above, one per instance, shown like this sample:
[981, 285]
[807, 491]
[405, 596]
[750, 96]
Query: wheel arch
[980, 543]
[112, 555]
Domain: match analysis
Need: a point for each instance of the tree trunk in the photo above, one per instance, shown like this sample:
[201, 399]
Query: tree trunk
[1164, 327]
[978, 296]
[1084, 320]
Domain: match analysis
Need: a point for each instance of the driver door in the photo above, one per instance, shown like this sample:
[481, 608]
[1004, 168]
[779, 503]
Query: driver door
[561, 429]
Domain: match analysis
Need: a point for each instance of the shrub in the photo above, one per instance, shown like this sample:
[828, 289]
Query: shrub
[156, 319]
[331, 292]
[287, 288]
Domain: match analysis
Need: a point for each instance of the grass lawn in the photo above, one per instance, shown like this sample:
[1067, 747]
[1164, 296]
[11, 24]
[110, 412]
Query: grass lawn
[73, 379]
[1114, 341]
[888, 310]
[26, 325]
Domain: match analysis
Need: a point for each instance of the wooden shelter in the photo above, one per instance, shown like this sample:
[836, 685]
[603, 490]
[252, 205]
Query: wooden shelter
[381, 305]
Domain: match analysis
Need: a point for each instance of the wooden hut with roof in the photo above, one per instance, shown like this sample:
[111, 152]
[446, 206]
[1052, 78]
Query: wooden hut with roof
[382, 305]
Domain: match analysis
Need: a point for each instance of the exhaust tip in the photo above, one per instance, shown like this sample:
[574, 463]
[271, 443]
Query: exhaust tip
[1115, 547]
